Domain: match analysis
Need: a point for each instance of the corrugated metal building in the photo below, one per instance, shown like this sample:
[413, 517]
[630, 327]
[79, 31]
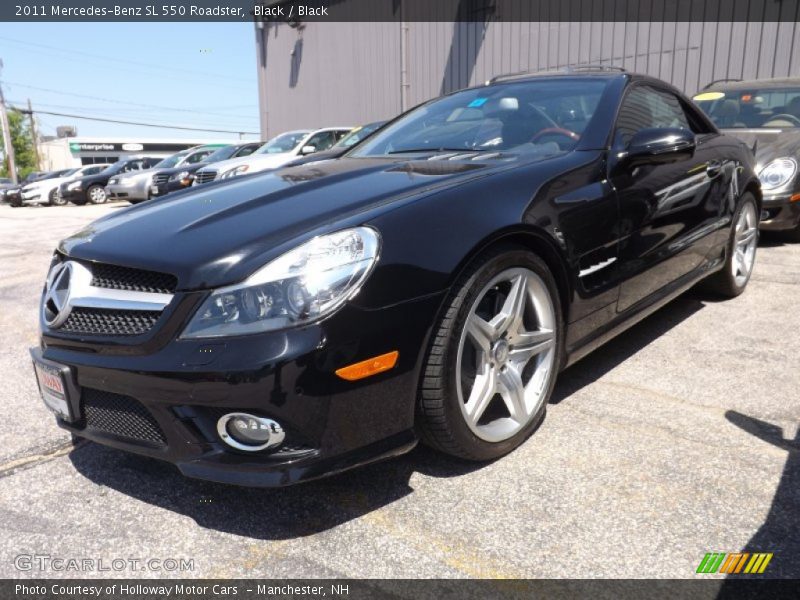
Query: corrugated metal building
[342, 73]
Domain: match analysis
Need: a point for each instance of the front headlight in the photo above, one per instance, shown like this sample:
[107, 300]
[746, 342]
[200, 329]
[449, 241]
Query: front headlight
[304, 285]
[179, 176]
[76, 185]
[235, 172]
[777, 173]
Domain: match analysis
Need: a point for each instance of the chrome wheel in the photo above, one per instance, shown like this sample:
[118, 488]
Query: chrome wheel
[506, 355]
[744, 244]
[97, 195]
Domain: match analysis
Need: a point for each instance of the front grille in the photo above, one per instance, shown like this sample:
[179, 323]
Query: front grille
[135, 280]
[205, 176]
[120, 415]
[160, 178]
[104, 321]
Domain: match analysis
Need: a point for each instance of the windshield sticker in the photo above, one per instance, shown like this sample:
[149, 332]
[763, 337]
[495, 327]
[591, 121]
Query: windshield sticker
[709, 96]
[477, 103]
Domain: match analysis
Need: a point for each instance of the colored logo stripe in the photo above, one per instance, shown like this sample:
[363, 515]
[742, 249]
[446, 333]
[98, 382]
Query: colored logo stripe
[734, 563]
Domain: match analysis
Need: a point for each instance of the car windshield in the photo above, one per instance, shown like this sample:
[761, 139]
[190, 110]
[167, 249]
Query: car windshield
[522, 117]
[752, 107]
[356, 135]
[223, 153]
[285, 142]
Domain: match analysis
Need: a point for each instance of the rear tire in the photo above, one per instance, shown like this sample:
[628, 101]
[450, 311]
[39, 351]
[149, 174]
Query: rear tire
[741, 252]
[492, 362]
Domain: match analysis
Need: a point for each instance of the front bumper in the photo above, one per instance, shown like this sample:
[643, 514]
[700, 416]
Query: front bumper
[73, 195]
[186, 385]
[779, 212]
[136, 192]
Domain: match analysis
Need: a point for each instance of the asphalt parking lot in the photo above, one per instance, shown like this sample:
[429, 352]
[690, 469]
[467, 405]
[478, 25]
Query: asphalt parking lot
[678, 438]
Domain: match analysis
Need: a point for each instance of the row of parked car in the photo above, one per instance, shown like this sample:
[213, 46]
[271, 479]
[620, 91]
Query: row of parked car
[139, 178]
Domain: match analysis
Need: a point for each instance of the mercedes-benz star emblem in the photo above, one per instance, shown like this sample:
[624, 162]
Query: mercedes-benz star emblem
[56, 306]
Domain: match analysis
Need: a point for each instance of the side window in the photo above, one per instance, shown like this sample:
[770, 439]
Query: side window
[322, 141]
[645, 107]
[246, 151]
[196, 158]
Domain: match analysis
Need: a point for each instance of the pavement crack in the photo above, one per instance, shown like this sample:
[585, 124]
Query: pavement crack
[31, 460]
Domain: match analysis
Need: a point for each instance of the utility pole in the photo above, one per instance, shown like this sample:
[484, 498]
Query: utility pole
[7, 143]
[34, 137]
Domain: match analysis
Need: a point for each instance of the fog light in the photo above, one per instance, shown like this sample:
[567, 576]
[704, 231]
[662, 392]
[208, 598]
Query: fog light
[249, 432]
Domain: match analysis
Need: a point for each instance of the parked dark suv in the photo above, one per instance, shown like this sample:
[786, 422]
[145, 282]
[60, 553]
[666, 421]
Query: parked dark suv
[428, 285]
[91, 189]
[765, 114]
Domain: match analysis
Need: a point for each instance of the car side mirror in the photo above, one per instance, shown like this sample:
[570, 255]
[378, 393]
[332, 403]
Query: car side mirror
[308, 150]
[659, 146]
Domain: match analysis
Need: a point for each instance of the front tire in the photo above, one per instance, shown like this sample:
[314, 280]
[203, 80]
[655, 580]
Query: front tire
[741, 251]
[492, 363]
[96, 194]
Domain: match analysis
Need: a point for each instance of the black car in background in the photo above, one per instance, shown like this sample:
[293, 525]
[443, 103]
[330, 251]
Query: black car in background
[10, 193]
[178, 178]
[13, 196]
[355, 136]
[766, 115]
[91, 189]
[309, 319]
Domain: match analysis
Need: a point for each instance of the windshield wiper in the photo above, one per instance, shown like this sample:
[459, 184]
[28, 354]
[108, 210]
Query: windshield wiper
[410, 150]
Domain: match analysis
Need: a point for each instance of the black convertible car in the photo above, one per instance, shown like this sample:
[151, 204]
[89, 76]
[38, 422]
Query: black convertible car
[765, 114]
[430, 284]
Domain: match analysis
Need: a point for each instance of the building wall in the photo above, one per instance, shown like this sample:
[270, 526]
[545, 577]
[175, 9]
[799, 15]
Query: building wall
[350, 73]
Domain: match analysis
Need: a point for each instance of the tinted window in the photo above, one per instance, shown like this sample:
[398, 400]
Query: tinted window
[286, 142]
[645, 107]
[547, 114]
[322, 141]
[246, 150]
[197, 157]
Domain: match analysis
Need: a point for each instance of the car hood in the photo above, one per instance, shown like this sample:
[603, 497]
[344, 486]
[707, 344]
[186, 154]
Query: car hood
[771, 143]
[219, 235]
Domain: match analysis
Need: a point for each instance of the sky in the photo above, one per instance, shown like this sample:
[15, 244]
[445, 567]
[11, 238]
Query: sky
[180, 74]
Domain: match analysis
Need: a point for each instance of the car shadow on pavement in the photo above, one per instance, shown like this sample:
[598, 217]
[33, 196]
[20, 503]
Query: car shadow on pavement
[275, 514]
[625, 345]
[779, 533]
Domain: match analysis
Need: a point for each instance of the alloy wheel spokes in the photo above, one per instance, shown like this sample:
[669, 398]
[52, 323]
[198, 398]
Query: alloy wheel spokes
[512, 313]
[512, 349]
[529, 344]
[512, 391]
[483, 390]
[744, 247]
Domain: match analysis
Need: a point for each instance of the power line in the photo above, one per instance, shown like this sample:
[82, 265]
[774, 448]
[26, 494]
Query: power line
[114, 101]
[141, 124]
[135, 112]
[172, 69]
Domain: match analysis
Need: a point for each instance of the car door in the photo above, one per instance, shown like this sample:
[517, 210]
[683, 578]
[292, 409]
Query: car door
[666, 210]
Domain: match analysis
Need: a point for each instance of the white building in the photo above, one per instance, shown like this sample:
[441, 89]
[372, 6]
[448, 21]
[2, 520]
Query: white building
[63, 153]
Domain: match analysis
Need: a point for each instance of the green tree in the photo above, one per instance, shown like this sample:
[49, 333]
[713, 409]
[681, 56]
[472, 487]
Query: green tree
[23, 145]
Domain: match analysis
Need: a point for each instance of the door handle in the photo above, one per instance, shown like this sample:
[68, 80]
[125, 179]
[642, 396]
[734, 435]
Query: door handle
[713, 168]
